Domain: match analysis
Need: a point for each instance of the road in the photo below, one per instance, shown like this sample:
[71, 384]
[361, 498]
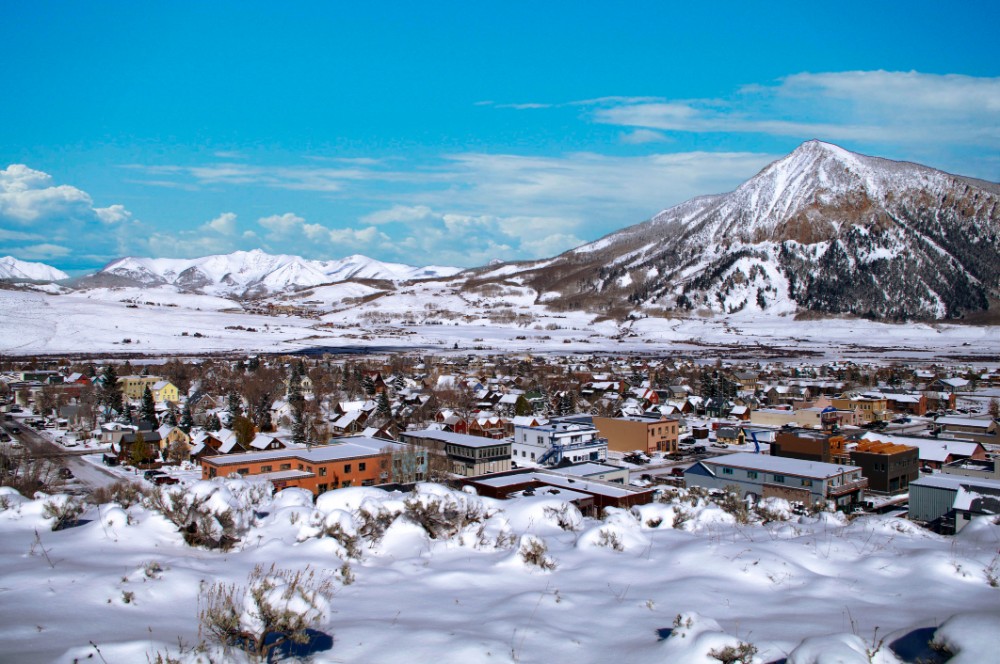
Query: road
[87, 476]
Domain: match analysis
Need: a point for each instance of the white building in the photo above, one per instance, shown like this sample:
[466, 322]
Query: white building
[550, 443]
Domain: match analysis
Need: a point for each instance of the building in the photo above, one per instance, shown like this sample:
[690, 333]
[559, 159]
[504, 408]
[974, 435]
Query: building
[467, 455]
[873, 408]
[935, 452]
[355, 461]
[595, 471]
[889, 467]
[807, 445]
[589, 495]
[792, 479]
[948, 502]
[133, 386]
[648, 434]
[573, 439]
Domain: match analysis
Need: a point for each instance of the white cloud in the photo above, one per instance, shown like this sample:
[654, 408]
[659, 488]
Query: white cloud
[873, 106]
[43, 251]
[398, 213]
[282, 225]
[225, 224]
[27, 195]
[640, 136]
[113, 214]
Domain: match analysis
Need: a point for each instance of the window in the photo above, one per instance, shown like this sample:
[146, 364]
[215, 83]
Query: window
[751, 474]
[322, 471]
[347, 467]
[727, 471]
[265, 469]
[300, 466]
[243, 471]
[367, 482]
[361, 467]
[322, 488]
[345, 483]
[807, 482]
[285, 466]
[211, 472]
[780, 479]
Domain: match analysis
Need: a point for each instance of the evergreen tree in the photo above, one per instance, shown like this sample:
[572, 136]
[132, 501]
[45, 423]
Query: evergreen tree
[148, 409]
[187, 419]
[298, 426]
[384, 408]
[369, 385]
[170, 417]
[91, 372]
[213, 423]
[234, 408]
[261, 413]
[111, 393]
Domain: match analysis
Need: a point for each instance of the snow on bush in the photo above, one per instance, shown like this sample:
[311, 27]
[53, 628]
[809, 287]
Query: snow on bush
[841, 649]
[214, 513]
[971, 638]
[542, 515]
[532, 551]
[10, 498]
[620, 531]
[695, 639]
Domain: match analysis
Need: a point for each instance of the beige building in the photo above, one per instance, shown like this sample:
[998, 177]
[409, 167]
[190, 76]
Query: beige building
[871, 409]
[626, 434]
[134, 386]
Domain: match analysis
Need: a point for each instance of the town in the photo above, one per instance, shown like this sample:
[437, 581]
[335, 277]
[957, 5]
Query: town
[599, 430]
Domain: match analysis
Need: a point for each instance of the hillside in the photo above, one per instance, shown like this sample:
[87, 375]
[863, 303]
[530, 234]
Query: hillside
[822, 229]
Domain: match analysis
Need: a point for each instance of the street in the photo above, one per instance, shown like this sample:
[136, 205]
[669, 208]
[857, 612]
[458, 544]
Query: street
[87, 476]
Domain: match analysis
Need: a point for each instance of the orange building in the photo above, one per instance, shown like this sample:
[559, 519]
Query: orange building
[355, 461]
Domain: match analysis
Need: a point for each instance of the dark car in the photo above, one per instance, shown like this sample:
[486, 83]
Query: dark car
[65, 474]
[164, 479]
[151, 475]
[15, 429]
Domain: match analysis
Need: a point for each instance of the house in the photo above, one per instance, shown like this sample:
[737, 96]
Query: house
[566, 438]
[467, 456]
[164, 391]
[649, 434]
[355, 461]
[872, 408]
[807, 445]
[213, 443]
[133, 386]
[487, 427]
[792, 479]
[730, 435]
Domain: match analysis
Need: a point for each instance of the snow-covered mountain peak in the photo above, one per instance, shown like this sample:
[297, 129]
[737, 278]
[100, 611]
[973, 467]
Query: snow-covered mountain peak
[253, 272]
[13, 269]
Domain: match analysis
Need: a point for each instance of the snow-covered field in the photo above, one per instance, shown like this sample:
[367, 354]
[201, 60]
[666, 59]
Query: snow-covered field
[427, 315]
[124, 585]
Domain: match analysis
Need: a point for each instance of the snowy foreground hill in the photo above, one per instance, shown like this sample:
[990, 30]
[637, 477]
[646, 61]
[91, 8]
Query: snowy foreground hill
[445, 576]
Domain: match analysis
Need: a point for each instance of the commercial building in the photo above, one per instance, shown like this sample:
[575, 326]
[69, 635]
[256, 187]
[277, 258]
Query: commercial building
[647, 434]
[551, 443]
[792, 479]
[355, 461]
[467, 455]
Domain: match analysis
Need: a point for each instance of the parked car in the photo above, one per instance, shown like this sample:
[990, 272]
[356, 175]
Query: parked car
[164, 479]
[720, 445]
[109, 460]
[151, 475]
[65, 474]
[677, 472]
[15, 429]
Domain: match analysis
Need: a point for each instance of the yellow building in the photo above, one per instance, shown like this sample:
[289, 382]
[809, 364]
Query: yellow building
[871, 409]
[162, 389]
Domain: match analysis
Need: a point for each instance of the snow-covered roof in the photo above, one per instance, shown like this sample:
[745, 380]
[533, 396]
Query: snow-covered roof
[341, 448]
[964, 422]
[781, 465]
[462, 439]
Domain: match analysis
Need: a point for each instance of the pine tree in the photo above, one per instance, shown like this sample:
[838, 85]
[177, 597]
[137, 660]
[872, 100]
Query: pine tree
[234, 408]
[170, 417]
[213, 423]
[187, 419]
[148, 409]
[111, 394]
[298, 426]
[384, 408]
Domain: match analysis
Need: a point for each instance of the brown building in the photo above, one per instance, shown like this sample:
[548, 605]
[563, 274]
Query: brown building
[807, 445]
[626, 434]
[355, 461]
[871, 408]
[889, 467]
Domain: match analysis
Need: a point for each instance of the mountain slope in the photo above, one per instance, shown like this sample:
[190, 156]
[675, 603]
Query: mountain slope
[822, 229]
[13, 269]
[244, 273]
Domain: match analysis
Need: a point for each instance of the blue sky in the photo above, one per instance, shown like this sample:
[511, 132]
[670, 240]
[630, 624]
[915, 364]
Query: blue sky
[452, 132]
